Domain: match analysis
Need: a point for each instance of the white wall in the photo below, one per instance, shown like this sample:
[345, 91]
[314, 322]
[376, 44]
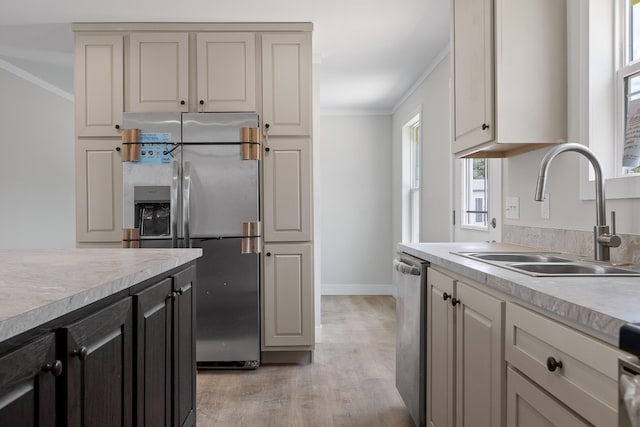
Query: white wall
[589, 94]
[355, 204]
[432, 97]
[37, 180]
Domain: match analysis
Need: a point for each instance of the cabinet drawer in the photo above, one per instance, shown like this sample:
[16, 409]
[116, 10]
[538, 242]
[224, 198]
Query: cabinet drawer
[587, 380]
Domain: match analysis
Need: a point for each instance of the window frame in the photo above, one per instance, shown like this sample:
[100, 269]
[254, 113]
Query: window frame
[467, 169]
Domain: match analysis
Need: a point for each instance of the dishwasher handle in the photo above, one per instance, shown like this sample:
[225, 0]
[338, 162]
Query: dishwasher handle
[405, 268]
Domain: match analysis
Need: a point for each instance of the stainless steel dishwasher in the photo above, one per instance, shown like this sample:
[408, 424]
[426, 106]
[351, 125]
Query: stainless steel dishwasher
[410, 276]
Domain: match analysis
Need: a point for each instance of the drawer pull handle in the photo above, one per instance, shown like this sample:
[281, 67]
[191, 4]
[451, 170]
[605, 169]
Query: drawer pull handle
[553, 364]
[454, 301]
[446, 296]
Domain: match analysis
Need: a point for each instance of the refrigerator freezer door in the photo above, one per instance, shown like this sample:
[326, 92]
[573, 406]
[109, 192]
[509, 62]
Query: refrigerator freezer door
[216, 127]
[224, 188]
[228, 303]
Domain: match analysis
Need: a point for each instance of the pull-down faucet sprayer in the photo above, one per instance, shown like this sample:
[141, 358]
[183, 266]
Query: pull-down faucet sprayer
[602, 239]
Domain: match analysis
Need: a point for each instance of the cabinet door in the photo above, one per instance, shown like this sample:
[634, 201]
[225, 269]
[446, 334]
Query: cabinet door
[287, 190]
[529, 406]
[440, 350]
[286, 83]
[99, 368]
[288, 295]
[480, 362]
[473, 73]
[159, 72]
[184, 354]
[27, 394]
[153, 354]
[226, 71]
[98, 190]
[98, 84]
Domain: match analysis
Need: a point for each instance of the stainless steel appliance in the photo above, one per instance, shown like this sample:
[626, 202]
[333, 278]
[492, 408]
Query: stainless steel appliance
[410, 276]
[629, 379]
[212, 192]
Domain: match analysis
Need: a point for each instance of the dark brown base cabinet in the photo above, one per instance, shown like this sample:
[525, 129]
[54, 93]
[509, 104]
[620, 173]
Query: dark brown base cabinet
[130, 361]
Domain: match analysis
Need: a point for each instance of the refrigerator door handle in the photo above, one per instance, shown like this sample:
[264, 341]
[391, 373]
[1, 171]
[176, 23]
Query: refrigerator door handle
[175, 171]
[186, 203]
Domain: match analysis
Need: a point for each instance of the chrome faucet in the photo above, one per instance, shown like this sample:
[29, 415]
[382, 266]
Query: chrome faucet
[602, 239]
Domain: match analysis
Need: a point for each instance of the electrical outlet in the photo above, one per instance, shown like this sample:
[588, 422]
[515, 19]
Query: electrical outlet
[512, 208]
[544, 207]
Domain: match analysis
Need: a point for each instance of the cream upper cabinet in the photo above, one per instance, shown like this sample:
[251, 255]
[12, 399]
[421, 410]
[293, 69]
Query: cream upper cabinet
[99, 190]
[286, 83]
[288, 295]
[465, 360]
[98, 84]
[509, 69]
[226, 71]
[287, 190]
[159, 72]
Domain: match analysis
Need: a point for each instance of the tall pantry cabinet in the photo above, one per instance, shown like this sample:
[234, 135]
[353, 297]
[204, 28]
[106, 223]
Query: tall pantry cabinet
[208, 67]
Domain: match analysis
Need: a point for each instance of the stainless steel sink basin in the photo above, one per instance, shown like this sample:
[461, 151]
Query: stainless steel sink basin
[548, 264]
[518, 257]
[571, 269]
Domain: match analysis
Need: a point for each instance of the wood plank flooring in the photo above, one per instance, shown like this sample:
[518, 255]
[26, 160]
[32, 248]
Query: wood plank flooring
[351, 382]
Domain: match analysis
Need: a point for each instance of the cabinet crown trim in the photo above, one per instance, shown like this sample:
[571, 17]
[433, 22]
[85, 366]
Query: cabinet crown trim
[192, 26]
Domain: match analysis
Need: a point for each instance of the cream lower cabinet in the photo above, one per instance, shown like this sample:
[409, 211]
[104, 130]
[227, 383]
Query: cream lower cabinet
[574, 370]
[529, 406]
[288, 295]
[98, 190]
[287, 190]
[465, 371]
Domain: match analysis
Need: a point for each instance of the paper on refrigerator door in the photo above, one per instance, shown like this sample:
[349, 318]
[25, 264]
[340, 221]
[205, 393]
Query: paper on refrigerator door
[631, 154]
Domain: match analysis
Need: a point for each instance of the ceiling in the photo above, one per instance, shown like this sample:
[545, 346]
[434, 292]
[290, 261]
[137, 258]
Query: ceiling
[369, 53]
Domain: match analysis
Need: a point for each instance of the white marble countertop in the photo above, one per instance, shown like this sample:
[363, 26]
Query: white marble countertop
[597, 305]
[37, 286]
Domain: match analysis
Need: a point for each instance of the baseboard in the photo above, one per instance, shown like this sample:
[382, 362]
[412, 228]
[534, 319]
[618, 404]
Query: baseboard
[358, 289]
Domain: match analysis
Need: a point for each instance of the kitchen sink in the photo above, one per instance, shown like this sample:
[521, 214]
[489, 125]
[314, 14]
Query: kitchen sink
[518, 257]
[571, 269]
[548, 264]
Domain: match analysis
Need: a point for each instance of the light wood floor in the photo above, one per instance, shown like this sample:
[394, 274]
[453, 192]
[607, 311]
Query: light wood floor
[351, 382]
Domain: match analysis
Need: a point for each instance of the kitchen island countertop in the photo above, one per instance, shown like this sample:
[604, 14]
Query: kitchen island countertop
[37, 286]
[597, 305]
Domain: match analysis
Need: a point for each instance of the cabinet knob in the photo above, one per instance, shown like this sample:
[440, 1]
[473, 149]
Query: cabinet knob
[446, 296]
[267, 149]
[455, 301]
[182, 102]
[553, 364]
[485, 126]
[55, 368]
[267, 125]
[80, 353]
[117, 126]
[180, 291]
[201, 102]
[117, 148]
[268, 253]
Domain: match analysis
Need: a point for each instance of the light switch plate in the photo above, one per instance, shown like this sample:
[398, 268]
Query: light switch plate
[512, 208]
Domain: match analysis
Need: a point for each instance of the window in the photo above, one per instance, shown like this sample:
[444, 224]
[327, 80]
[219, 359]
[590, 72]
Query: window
[414, 187]
[411, 180]
[628, 74]
[474, 179]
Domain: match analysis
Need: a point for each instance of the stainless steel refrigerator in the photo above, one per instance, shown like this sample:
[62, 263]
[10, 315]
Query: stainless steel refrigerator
[194, 160]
